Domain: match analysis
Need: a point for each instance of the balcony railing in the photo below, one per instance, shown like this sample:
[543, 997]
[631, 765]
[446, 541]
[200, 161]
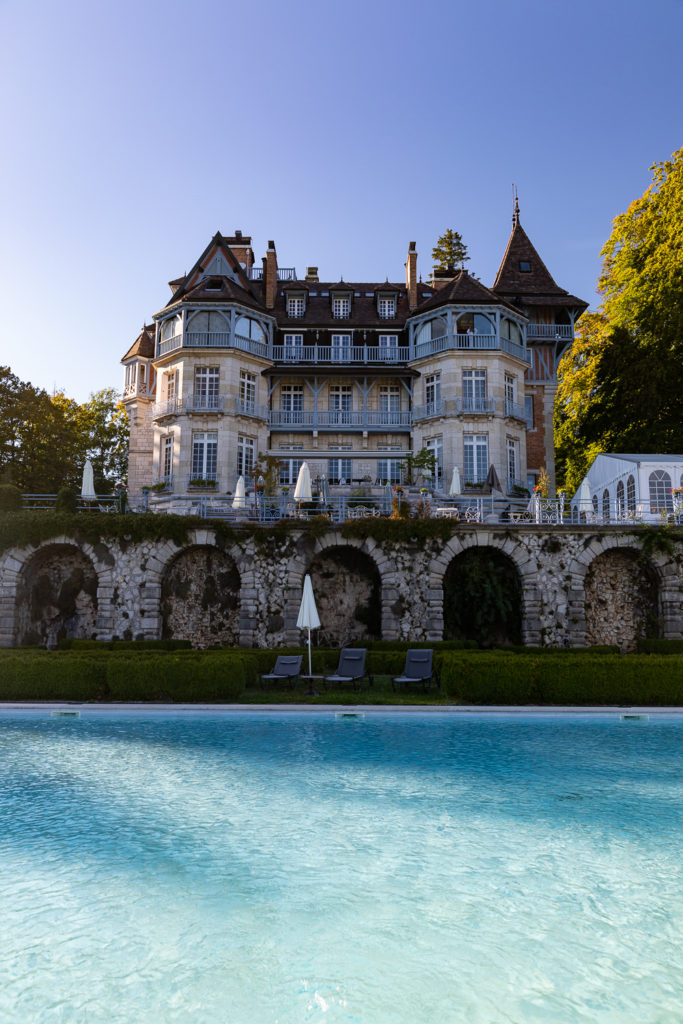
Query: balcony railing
[169, 407]
[283, 273]
[142, 388]
[344, 354]
[515, 411]
[429, 410]
[213, 339]
[476, 406]
[354, 419]
[244, 407]
[462, 342]
[205, 403]
[549, 332]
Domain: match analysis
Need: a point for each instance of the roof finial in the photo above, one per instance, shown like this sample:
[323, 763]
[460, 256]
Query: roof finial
[515, 213]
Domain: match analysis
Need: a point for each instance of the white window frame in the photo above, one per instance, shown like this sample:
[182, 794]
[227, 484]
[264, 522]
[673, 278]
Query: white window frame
[296, 306]
[206, 387]
[386, 307]
[293, 347]
[388, 347]
[475, 457]
[512, 457]
[435, 445]
[246, 455]
[167, 458]
[474, 390]
[248, 390]
[204, 455]
[341, 307]
[432, 391]
[340, 470]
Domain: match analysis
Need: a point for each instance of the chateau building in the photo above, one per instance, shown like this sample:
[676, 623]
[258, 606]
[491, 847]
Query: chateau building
[349, 376]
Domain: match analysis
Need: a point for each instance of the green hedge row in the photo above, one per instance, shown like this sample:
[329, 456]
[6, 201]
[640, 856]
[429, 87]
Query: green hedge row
[124, 645]
[660, 646]
[575, 678]
[147, 676]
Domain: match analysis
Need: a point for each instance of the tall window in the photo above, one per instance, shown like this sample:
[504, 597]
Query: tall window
[476, 457]
[289, 468]
[621, 504]
[386, 307]
[339, 469]
[474, 390]
[340, 403]
[388, 469]
[605, 505]
[204, 455]
[292, 399]
[432, 392]
[388, 347]
[510, 393]
[390, 403]
[167, 459]
[295, 305]
[171, 386]
[341, 348]
[246, 455]
[631, 494]
[513, 462]
[206, 381]
[341, 307]
[660, 492]
[435, 445]
[294, 347]
[248, 390]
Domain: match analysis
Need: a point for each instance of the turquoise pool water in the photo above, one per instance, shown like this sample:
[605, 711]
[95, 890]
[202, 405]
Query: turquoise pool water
[400, 869]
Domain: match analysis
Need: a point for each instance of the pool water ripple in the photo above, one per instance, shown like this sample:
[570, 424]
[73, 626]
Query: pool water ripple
[409, 869]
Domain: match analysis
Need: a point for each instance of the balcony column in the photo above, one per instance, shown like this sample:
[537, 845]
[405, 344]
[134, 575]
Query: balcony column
[498, 327]
[233, 323]
[449, 326]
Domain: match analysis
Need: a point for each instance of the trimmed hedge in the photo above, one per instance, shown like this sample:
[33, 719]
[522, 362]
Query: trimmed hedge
[124, 645]
[660, 646]
[500, 678]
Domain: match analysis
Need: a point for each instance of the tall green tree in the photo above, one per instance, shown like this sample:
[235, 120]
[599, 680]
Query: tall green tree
[449, 251]
[621, 384]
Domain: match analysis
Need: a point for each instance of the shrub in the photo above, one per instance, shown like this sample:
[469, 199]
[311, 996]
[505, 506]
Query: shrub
[67, 500]
[10, 498]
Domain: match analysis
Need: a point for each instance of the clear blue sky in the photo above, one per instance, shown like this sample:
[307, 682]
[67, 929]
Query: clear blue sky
[132, 131]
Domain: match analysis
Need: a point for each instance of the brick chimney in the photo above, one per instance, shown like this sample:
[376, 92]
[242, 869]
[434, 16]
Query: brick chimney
[312, 275]
[444, 276]
[241, 247]
[270, 276]
[411, 276]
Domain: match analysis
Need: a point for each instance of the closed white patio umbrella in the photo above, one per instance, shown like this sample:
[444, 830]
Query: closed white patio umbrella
[303, 491]
[88, 484]
[308, 615]
[240, 500]
[455, 487]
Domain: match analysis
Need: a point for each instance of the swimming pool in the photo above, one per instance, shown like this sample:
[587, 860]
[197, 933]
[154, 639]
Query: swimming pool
[252, 868]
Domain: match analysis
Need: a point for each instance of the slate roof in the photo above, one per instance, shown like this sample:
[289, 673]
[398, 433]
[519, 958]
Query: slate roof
[318, 311]
[463, 290]
[534, 287]
[143, 345]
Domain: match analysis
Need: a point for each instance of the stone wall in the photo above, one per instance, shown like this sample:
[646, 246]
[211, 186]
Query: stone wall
[248, 592]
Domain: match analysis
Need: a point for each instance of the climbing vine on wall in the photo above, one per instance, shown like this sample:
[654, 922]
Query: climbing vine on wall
[482, 599]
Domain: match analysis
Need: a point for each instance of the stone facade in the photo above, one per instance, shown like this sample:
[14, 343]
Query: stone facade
[575, 585]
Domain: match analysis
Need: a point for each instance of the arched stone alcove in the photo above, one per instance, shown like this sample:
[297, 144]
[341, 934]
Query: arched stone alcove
[621, 599]
[200, 597]
[56, 596]
[348, 593]
[482, 598]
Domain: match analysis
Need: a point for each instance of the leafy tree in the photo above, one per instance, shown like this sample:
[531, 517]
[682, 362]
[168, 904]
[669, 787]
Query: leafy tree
[621, 385]
[449, 251]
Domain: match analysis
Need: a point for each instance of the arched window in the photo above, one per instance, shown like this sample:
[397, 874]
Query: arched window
[475, 323]
[430, 330]
[170, 328]
[631, 494]
[660, 491]
[595, 503]
[251, 329]
[605, 505]
[621, 504]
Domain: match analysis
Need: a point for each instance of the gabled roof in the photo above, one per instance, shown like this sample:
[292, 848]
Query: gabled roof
[218, 244]
[463, 290]
[143, 345]
[535, 286]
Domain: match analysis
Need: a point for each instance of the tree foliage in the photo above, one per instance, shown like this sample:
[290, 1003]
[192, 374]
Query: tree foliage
[45, 439]
[621, 384]
[449, 251]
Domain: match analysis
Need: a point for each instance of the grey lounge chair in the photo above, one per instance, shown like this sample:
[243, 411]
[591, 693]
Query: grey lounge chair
[286, 670]
[351, 667]
[418, 669]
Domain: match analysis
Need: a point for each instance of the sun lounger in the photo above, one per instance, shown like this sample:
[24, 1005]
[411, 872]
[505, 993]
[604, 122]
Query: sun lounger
[287, 668]
[351, 667]
[418, 669]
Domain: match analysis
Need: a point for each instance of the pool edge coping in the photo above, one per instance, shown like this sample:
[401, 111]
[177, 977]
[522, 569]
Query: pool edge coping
[463, 709]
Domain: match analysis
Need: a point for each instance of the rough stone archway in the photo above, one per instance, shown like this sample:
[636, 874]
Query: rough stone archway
[56, 596]
[200, 597]
[621, 594]
[482, 598]
[348, 593]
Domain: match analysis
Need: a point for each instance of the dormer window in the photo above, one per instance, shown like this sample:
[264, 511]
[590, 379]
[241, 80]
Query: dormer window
[525, 266]
[213, 284]
[386, 307]
[296, 305]
[341, 307]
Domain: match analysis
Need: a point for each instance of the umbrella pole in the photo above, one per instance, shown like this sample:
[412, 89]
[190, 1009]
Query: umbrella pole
[310, 671]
